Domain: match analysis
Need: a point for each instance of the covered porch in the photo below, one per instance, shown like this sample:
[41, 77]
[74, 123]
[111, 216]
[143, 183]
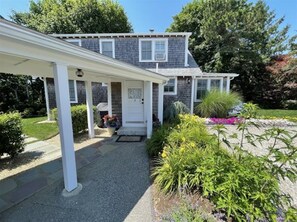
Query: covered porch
[27, 52]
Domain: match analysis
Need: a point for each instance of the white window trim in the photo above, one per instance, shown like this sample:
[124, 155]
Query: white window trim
[208, 86]
[153, 40]
[108, 40]
[175, 87]
[74, 40]
[75, 92]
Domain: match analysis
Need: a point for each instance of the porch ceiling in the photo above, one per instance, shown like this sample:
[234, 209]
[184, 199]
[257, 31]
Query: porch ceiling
[24, 51]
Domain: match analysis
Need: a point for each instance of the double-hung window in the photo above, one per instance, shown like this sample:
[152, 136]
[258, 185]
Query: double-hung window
[170, 87]
[207, 84]
[107, 47]
[72, 91]
[153, 50]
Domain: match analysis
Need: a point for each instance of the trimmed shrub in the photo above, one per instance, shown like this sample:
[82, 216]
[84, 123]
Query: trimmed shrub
[217, 104]
[11, 139]
[79, 118]
[171, 112]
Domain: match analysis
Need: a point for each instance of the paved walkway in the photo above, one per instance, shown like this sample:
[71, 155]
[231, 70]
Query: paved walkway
[116, 187]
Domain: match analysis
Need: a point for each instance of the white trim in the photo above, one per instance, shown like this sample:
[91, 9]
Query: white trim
[109, 99]
[186, 51]
[89, 103]
[228, 84]
[102, 35]
[160, 102]
[74, 40]
[153, 40]
[175, 87]
[148, 87]
[108, 40]
[75, 91]
[208, 88]
[192, 95]
[48, 111]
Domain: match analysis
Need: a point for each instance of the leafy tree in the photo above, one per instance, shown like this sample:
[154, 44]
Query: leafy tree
[233, 36]
[74, 16]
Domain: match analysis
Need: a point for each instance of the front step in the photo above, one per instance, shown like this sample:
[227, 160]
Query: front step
[132, 131]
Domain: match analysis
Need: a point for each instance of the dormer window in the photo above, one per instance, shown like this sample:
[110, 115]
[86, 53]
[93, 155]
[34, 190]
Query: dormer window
[107, 47]
[153, 50]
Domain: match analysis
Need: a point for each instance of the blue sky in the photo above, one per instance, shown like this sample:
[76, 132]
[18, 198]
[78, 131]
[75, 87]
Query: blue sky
[157, 14]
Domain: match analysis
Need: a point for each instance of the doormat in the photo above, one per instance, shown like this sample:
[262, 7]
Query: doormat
[129, 139]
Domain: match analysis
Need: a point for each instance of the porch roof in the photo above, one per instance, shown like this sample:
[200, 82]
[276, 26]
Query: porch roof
[28, 52]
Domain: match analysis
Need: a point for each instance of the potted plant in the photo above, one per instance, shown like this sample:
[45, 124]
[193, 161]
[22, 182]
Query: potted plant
[111, 123]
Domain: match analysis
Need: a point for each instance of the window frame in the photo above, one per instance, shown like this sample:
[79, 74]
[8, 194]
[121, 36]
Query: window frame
[175, 87]
[75, 91]
[153, 40]
[113, 46]
[74, 40]
[221, 88]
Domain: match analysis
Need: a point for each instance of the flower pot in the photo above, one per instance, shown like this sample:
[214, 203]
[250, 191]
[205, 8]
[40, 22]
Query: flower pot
[111, 130]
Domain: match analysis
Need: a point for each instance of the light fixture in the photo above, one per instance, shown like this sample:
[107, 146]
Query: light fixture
[188, 80]
[79, 73]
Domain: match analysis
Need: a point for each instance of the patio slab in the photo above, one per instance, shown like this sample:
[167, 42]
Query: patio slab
[116, 187]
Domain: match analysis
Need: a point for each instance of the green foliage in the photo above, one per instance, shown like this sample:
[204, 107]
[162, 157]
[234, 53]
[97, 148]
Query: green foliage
[249, 110]
[217, 104]
[74, 16]
[79, 118]
[11, 139]
[20, 93]
[234, 36]
[155, 144]
[238, 183]
[171, 112]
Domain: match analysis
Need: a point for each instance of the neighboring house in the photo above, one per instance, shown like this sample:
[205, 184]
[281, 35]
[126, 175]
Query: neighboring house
[164, 53]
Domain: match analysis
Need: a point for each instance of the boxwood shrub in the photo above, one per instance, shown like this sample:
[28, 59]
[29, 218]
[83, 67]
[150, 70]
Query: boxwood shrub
[11, 139]
[79, 117]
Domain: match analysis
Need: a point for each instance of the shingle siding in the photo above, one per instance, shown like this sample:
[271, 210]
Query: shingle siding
[155, 98]
[116, 98]
[184, 92]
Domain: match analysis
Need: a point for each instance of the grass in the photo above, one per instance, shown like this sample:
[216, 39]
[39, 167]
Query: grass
[278, 113]
[41, 131]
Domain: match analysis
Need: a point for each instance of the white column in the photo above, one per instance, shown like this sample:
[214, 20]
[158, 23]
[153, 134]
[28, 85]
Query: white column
[192, 95]
[149, 111]
[160, 102]
[228, 84]
[221, 84]
[65, 126]
[48, 111]
[89, 100]
[109, 101]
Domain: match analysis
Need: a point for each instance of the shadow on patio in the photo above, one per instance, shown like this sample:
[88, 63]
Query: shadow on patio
[116, 187]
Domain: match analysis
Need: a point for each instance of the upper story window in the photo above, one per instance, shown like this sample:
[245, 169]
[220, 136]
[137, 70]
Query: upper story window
[107, 47]
[74, 41]
[72, 91]
[170, 87]
[153, 50]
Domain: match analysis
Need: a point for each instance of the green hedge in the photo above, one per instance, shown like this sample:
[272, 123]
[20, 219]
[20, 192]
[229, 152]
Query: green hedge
[79, 118]
[11, 139]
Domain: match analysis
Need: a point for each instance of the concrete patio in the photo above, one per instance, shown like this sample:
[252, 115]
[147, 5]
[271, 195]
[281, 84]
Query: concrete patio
[116, 187]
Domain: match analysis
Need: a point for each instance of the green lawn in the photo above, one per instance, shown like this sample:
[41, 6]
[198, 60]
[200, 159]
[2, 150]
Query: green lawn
[278, 113]
[41, 131]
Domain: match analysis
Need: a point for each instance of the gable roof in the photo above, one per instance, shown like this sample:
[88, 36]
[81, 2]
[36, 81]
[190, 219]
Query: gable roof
[124, 35]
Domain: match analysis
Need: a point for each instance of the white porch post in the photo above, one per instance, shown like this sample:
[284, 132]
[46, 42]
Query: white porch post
[228, 84]
[89, 100]
[46, 100]
[192, 95]
[109, 98]
[160, 102]
[149, 112]
[65, 126]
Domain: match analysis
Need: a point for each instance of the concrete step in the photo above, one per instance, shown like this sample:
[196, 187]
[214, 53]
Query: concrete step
[132, 131]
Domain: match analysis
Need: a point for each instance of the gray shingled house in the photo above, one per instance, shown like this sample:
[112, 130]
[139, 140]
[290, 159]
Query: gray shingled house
[163, 53]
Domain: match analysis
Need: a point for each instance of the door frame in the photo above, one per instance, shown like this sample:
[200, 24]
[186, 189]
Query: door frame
[124, 106]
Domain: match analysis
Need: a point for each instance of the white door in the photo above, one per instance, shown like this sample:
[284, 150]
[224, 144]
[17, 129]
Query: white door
[134, 104]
